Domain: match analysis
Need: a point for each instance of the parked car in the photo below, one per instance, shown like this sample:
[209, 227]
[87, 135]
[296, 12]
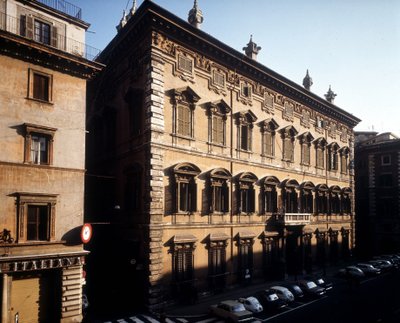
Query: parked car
[311, 289]
[232, 311]
[368, 269]
[283, 293]
[251, 304]
[323, 283]
[351, 272]
[270, 301]
[382, 265]
[294, 289]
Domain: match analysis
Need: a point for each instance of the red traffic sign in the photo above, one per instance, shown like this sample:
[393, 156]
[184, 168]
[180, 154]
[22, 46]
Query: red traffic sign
[86, 232]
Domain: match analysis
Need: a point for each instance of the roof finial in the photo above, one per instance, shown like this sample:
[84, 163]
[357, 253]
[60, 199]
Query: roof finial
[330, 95]
[307, 81]
[252, 49]
[122, 22]
[195, 17]
[133, 9]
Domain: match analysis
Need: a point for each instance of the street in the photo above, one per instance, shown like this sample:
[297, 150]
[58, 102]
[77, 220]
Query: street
[375, 299]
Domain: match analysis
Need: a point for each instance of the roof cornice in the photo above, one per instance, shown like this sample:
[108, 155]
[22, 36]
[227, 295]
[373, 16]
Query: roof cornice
[150, 15]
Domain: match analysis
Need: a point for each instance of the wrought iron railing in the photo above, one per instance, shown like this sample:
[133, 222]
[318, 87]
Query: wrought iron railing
[63, 6]
[19, 27]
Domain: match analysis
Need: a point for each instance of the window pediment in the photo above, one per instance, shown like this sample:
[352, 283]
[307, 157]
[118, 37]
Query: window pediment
[245, 117]
[306, 137]
[271, 180]
[290, 183]
[218, 107]
[288, 131]
[185, 95]
[268, 125]
[186, 169]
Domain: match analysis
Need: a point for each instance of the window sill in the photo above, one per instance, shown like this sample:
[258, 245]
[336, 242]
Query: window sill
[268, 156]
[182, 136]
[40, 101]
[216, 144]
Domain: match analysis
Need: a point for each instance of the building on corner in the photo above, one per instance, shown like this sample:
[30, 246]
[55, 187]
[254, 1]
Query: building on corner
[213, 169]
[44, 66]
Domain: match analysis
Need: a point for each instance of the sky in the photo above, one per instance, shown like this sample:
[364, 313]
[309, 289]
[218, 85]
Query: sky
[351, 45]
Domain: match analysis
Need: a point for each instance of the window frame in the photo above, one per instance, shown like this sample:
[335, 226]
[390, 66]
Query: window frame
[383, 162]
[184, 176]
[305, 144]
[184, 98]
[32, 88]
[218, 195]
[268, 132]
[41, 131]
[288, 136]
[24, 201]
[217, 111]
[245, 121]
[246, 194]
[183, 262]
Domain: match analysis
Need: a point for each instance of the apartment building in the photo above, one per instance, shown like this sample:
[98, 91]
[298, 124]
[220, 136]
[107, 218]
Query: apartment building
[44, 66]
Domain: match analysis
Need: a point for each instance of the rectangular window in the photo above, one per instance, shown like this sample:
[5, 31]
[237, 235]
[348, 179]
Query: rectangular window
[288, 149]
[320, 158]
[42, 32]
[183, 263]
[245, 139]
[185, 64]
[386, 180]
[218, 130]
[38, 223]
[187, 196]
[386, 160]
[36, 217]
[268, 144]
[343, 162]
[39, 149]
[220, 198]
[246, 91]
[41, 87]
[305, 154]
[218, 79]
[184, 121]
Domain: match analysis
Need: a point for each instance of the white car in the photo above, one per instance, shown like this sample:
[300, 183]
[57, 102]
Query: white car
[251, 304]
[283, 293]
[232, 311]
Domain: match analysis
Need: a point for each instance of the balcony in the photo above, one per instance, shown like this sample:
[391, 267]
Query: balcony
[294, 218]
[64, 7]
[51, 39]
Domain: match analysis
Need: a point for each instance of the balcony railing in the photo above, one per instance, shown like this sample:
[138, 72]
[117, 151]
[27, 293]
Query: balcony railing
[63, 6]
[294, 218]
[53, 39]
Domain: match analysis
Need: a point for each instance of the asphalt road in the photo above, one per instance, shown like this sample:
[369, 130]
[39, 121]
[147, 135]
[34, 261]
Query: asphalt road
[373, 300]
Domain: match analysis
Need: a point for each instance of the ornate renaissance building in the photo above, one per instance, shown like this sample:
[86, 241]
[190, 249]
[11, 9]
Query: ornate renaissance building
[377, 193]
[44, 65]
[216, 169]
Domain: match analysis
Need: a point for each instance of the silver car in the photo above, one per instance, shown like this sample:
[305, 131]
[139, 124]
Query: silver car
[283, 293]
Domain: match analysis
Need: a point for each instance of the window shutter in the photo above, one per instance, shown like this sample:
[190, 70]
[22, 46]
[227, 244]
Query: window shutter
[29, 27]
[193, 197]
[22, 25]
[268, 144]
[54, 36]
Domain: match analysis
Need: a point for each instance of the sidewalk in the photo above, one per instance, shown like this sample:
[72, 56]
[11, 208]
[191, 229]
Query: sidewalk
[204, 302]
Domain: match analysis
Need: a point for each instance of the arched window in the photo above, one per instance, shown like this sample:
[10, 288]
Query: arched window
[270, 195]
[306, 197]
[334, 199]
[246, 193]
[289, 195]
[219, 190]
[321, 197]
[346, 200]
[185, 187]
